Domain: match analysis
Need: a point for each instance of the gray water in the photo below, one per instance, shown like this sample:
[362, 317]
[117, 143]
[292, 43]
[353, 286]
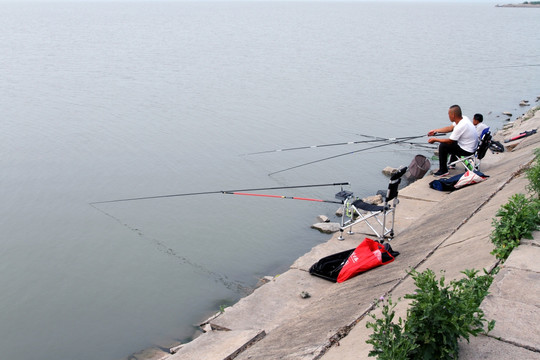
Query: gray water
[113, 100]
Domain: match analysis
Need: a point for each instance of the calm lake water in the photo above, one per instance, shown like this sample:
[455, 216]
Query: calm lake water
[117, 100]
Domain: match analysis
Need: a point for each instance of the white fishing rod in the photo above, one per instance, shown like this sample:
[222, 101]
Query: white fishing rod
[396, 141]
[374, 140]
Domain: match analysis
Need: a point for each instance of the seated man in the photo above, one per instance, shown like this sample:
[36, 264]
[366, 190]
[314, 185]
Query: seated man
[479, 125]
[463, 140]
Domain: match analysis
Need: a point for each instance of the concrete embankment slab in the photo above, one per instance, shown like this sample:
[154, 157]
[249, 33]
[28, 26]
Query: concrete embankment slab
[218, 345]
[307, 335]
[272, 303]
[436, 230]
[524, 332]
[344, 304]
[465, 245]
[513, 303]
[525, 257]
[469, 247]
[487, 348]
[514, 295]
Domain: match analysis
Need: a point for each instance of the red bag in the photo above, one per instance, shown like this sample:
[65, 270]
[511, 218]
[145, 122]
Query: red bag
[364, 257]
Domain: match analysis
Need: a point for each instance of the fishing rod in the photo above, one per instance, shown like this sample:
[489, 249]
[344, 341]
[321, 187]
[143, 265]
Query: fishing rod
[311, 147]
[521, 135]
[375, 139]
[220, 192]
[404, 143]
[381, 138]
[283, 197]
[402, 150]
[347, 153]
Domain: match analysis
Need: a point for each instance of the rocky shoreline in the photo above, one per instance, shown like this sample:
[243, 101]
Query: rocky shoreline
[280, 303]
[520, 5]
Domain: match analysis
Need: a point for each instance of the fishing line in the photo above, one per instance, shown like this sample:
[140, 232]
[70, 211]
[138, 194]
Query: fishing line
[219, 192]
[348, 153]
[162, 247]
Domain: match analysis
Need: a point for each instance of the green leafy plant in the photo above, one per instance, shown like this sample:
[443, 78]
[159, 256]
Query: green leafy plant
[438, 316]
[388, 339]
[533, 175]
[518, 218]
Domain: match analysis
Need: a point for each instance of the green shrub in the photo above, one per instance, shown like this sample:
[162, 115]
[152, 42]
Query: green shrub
[388, 339]
[533, 175]
[438, 316]
[518, 218]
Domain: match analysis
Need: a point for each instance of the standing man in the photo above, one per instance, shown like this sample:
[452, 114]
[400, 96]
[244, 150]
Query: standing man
[463, 140]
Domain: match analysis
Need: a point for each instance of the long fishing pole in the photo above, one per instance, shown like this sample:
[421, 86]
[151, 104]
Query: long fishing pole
[311, 147]
[283, 197]
[347, 153]
[375, 139]
[402, 150]
[378, 138]
[219, 192]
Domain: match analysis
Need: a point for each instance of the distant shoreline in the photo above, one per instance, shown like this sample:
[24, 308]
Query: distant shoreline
[520, 5]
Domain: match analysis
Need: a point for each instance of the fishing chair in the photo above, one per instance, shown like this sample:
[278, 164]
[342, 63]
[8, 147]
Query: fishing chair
[472, 162]
[359, 211]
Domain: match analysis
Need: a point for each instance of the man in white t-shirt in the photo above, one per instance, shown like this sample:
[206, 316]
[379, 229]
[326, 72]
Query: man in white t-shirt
[463, 140]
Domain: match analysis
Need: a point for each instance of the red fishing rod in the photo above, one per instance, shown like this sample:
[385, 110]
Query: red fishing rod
[282, 197]
[236, 192]
[521, 135]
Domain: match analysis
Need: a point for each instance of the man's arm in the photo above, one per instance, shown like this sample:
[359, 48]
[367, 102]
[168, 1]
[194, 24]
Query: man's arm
[443, 130]
[440, 140]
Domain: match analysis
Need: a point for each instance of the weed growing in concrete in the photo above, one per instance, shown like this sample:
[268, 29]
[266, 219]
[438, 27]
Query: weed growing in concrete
[533, 175]
[441, 314]
[517, 219]
[438, 316]
[389, 340]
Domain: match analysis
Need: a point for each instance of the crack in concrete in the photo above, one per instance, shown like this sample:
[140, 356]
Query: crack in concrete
[514, 343]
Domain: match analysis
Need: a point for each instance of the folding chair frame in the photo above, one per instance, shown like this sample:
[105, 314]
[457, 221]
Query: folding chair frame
[472, 162]
[354, 210]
